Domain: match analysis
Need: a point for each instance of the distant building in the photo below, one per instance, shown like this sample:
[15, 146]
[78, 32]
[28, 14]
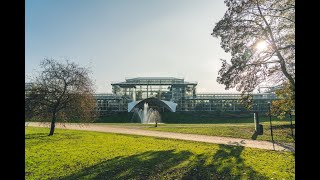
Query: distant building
[27, 88]
[170, 94]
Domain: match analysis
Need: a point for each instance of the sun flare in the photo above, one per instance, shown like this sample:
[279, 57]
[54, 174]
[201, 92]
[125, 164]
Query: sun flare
[262, 45]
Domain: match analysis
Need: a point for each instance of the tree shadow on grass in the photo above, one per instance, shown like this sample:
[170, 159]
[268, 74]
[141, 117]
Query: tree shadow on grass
[226, 163]
[41, 138]
[283, 126]
[36, 135]
[147, 165]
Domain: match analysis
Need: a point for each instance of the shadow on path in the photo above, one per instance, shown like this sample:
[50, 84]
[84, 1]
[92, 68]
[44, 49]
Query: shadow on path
[290, 146]
[254, 135]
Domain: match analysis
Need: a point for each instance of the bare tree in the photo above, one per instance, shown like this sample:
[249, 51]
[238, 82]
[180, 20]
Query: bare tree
[61, 92]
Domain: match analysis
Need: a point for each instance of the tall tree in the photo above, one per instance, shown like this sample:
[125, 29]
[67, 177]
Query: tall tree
[260, 35]
[61, 92]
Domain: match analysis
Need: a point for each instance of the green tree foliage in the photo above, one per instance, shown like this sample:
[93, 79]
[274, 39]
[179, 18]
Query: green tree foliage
[286, 102]
[61, 92]
[245, 25]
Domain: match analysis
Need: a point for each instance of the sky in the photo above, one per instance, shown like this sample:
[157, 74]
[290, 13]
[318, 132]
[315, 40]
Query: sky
[120, 39]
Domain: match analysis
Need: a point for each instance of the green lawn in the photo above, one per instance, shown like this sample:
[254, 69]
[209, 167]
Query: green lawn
[71, 154]
[281, 130]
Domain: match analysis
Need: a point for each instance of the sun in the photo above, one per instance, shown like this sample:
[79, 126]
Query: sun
[262, 45]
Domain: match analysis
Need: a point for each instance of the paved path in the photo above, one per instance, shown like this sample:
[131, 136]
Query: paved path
[171, 135]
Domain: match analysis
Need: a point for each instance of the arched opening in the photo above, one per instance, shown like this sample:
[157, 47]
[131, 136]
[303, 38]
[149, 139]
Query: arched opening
[157, 104]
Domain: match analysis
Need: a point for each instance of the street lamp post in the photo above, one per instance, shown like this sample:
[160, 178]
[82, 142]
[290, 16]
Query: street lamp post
[269, 103]
[256, 119]
[291, 126]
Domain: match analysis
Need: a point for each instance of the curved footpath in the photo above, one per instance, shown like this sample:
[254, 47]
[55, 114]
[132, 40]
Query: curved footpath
[171, 135]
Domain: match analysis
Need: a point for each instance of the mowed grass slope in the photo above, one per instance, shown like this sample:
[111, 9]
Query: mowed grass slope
[237, 127]
[281, 130]
[71, 154]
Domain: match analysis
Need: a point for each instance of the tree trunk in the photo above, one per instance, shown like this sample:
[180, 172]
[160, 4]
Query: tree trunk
[156, 123]
[53, 121]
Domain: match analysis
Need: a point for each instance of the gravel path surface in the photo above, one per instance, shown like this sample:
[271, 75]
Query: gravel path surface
[171, 135]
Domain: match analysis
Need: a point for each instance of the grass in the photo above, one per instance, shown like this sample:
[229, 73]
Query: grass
[232, 124]
[242, 129]
[281, 130]
[191, 117]
[71, 154]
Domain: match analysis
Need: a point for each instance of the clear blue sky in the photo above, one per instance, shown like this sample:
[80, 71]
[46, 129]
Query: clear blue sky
[128, 38]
